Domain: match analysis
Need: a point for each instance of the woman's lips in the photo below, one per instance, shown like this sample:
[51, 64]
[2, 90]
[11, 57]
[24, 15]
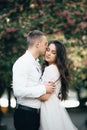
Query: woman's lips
[47, 57]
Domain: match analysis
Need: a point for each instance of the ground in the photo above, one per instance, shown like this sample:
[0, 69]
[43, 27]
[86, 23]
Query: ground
[78, 116]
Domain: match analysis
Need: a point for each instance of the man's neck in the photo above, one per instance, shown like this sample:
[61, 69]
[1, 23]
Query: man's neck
[34, 53]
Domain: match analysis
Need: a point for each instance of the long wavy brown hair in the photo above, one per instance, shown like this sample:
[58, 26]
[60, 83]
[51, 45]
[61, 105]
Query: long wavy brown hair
[61, 62]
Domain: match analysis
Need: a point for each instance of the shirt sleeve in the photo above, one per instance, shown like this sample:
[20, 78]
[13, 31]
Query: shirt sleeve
[22, 86]
[51, 73]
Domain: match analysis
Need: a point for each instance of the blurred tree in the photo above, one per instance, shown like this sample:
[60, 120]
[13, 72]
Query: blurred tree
[18, 17]
[50, 16]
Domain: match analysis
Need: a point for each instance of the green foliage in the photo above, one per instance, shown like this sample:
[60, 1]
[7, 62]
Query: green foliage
[17, 18]
[13, 45]
[78, 68]
[51, 16]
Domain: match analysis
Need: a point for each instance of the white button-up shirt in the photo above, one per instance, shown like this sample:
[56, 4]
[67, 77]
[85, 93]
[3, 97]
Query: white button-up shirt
[26, 81]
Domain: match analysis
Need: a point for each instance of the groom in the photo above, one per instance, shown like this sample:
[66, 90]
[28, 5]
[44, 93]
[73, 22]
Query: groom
[26, 83]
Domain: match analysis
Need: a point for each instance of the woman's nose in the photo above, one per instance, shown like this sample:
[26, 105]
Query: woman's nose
[49, 53]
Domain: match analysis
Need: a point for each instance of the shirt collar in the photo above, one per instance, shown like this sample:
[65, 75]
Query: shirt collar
[29, 54]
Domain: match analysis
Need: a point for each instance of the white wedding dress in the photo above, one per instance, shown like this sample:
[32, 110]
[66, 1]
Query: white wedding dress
[53, 115]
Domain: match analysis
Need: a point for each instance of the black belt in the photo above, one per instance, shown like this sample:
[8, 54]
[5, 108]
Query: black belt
[27, 108]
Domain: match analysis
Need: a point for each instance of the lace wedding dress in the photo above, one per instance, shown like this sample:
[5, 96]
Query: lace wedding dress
[53, 115]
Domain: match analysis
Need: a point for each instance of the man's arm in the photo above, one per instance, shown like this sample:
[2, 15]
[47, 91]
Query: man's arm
[47, 95]
[23, 88]
[44, 97]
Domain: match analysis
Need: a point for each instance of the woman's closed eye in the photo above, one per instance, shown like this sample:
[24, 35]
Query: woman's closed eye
[52, 51]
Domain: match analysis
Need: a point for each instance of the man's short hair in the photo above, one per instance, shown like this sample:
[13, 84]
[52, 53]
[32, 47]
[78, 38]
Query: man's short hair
[34, 35]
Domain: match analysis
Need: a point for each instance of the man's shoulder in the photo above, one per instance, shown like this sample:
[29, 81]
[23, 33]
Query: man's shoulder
[19, 59]
[22, 60]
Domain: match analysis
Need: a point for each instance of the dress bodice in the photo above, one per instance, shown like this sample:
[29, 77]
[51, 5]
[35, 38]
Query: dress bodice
[53, 116]
[51, 73]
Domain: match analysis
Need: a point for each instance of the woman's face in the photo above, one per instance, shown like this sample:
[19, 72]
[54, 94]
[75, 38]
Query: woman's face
[50, 55]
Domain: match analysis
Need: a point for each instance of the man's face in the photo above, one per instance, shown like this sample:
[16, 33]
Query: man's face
[43, 45]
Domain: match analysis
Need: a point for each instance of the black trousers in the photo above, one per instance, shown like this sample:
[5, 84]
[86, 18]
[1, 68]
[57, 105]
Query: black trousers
[26, 119]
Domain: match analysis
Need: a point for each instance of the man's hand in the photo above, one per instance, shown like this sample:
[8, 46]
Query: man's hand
[50, 87]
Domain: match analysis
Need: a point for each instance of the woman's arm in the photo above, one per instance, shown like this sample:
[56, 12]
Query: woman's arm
[44, 97]
[50, 74]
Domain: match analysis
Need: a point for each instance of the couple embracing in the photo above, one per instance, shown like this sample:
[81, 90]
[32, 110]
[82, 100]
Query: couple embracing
[37, 88]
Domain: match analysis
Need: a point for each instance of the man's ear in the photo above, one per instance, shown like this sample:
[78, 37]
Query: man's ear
[37, 44]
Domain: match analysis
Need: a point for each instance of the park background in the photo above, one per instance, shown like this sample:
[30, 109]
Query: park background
[64, 20]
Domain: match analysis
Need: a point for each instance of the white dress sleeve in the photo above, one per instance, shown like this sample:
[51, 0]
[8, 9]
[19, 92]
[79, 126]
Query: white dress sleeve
[51, 73]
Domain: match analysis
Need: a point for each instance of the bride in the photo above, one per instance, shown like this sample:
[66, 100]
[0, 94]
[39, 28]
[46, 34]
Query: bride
[53, 115]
